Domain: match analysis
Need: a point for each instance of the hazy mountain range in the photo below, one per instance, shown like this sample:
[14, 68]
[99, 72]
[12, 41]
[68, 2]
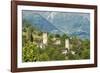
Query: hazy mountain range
[60, 22]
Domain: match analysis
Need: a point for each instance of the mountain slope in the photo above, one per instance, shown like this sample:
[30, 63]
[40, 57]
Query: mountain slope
[77, 24]
[41, 23]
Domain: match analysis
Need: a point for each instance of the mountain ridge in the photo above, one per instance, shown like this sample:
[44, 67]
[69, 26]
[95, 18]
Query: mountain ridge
[60, 25]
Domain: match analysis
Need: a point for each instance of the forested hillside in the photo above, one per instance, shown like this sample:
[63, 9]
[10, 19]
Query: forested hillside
[33, 48]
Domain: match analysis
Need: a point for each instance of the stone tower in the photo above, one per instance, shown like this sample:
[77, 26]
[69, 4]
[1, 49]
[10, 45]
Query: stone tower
[45, 37]
[67, 44]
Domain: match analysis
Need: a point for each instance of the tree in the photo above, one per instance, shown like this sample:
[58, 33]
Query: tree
[57, 35]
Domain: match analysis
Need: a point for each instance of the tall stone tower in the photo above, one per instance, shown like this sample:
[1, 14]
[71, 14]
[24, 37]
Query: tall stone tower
[67, 44]
[45, 37]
